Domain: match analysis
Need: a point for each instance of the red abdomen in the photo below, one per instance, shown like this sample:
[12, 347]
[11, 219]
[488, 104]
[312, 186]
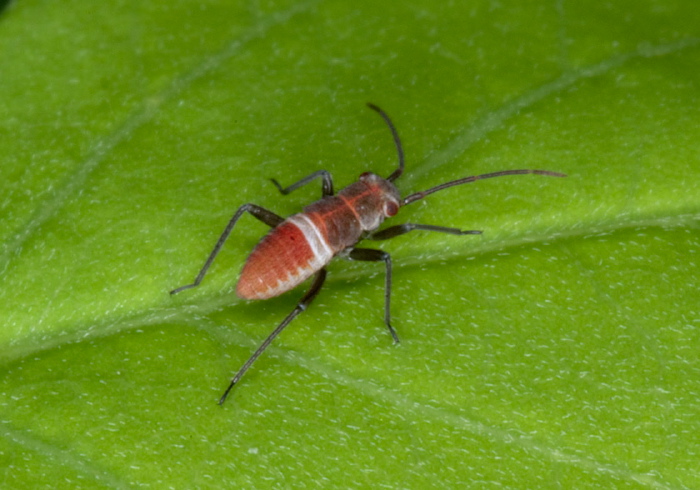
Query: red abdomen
[283, 259]
[304, 243]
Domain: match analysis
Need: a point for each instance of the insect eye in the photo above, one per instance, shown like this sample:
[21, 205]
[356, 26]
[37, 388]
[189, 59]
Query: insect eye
[364, 175]
[391, 208]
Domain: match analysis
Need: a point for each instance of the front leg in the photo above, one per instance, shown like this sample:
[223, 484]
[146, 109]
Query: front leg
[398, 230]
[326, 184]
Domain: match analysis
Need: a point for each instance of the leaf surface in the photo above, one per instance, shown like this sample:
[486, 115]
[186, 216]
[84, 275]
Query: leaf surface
[558, 349]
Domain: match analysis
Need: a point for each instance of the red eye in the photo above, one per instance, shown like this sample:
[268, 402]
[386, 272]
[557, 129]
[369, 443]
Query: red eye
[364, 175]
[391, 208]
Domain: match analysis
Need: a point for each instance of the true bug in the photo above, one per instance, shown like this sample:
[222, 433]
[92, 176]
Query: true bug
[302, 245]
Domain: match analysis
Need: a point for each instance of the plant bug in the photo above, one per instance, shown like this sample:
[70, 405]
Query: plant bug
[302, 245]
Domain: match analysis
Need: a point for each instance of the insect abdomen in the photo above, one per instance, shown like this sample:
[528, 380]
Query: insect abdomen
[284, 258]
[304, 243]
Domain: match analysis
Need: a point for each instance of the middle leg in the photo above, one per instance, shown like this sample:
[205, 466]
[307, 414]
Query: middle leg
[372, 255]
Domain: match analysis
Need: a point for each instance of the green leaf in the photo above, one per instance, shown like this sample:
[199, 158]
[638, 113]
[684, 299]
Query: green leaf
[561, 348]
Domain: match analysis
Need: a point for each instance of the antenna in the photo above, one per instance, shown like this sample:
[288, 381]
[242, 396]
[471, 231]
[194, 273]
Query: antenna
[466, 180]
[397, 141]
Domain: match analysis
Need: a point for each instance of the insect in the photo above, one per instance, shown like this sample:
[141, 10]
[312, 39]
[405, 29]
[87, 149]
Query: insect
[301, 246]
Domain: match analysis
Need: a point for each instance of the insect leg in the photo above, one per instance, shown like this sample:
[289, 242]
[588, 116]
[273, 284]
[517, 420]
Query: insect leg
[398, 230]
[301, 306]
[267, 217]
[372, 255]
[326, 185]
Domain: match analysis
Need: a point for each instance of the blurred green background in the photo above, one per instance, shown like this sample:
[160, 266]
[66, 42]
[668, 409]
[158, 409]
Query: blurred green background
[560, 349]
